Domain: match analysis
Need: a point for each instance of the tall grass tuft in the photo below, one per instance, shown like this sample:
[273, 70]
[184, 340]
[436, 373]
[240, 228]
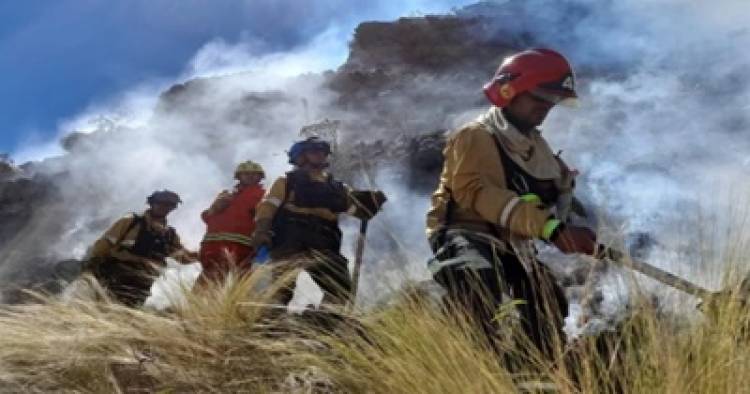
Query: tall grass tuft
[224, 338]
[216, 340]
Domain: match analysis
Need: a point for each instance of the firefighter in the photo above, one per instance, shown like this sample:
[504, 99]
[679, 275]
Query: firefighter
[501, 188]
[298, 219]
[128, 257]
[230, 221]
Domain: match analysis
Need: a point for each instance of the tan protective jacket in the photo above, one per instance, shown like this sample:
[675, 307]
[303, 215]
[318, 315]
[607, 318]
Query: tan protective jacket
[276, 195]
[474, 179]
[122, 235]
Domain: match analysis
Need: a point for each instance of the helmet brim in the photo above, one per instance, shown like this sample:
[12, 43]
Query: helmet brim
[566, 98]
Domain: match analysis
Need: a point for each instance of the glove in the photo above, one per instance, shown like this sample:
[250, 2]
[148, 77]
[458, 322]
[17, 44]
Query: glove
[574, 239]
[367, 202]
[221, 202]
[261, 256]
[262, 236]
[184, 256]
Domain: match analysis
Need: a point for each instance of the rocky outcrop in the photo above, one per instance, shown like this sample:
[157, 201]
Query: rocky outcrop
[18, 198]
[8, 169]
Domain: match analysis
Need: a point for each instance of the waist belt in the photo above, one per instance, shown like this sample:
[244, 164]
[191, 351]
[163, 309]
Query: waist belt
[314, 222]
[479, 226]
[230, 237]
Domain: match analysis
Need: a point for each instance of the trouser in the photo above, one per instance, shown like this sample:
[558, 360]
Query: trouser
[218, 258]
[129, 283]
[479, 277]
[327, 268]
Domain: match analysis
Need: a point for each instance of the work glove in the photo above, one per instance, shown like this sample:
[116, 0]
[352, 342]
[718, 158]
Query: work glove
[367, 203]
[184, 256]
[262, 235]
[221, 202]
[152, 267]
[574, 239]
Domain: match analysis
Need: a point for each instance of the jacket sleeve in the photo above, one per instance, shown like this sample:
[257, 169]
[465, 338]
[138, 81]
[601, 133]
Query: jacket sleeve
[477, 182]
[255, 200]
[205, 215]
[272, 200]
[218, 205]
[180, 253]
[104, 245]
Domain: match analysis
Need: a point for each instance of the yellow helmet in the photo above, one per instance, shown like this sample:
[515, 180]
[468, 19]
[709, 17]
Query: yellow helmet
[249, 166]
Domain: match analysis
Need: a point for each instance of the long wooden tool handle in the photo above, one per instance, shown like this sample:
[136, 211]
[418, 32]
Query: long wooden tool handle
[658, 274]
[358, 259]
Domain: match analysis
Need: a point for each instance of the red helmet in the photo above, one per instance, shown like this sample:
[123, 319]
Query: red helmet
[542, 72]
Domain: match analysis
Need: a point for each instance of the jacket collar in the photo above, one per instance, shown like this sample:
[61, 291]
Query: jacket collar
[530, 151]
[512, 139]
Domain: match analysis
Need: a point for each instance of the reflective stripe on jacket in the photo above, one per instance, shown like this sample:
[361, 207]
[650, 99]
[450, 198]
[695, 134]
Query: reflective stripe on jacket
[473, 192]
[236, 222]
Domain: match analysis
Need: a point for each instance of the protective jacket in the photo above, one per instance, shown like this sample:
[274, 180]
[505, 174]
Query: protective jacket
[498, 190]
[490, 173]
[236, 222]
[134, 238]
[126, 258]
[304, 207]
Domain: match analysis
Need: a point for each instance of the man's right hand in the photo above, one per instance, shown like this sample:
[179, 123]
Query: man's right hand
[574, 239]
[221, 202]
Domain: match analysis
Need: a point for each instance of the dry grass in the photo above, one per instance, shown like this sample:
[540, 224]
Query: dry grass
[222, 340]
[213, 342]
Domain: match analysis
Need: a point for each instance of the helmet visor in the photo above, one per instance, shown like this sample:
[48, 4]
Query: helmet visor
[556, 98]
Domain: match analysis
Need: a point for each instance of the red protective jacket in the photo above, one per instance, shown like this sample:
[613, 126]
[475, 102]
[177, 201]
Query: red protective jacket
[236, 222]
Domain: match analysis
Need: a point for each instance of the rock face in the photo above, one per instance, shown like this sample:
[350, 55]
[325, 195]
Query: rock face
[18, 198]
[8, 169]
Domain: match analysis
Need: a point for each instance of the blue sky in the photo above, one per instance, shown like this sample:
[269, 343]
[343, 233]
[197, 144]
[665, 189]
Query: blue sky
[57, 57]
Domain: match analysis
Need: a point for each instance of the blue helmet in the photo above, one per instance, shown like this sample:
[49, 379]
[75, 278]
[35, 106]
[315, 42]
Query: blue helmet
[164, 196]
[310, 144]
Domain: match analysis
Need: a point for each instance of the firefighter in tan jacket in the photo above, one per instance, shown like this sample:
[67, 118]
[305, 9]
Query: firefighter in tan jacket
[128, 257]
[298, 219]
[501, 188]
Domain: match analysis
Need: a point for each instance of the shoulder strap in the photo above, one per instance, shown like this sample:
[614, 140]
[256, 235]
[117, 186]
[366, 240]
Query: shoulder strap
[171, 234]
[510, 168]
[288, 187]
[137, 219]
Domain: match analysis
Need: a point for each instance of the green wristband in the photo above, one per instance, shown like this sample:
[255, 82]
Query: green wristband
[549, 228]
[530, 197]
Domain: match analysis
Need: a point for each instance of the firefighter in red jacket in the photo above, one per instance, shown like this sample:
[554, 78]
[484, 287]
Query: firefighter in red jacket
[230, 222]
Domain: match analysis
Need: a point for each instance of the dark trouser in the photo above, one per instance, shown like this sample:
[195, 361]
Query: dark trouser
[481, 276]
[313, 244]
[327, 268]
[125, 281]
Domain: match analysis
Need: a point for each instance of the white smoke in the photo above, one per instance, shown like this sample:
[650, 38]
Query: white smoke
[665, 104]
[251, 108]
[658, 138]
